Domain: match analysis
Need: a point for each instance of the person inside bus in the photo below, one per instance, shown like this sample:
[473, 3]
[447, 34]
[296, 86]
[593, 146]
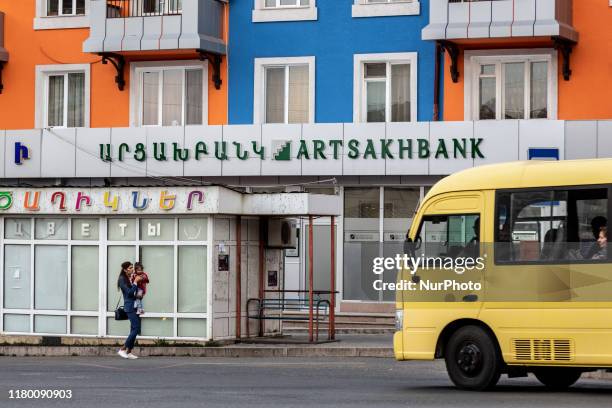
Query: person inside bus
[472, 248]
[593, 247]
[602, 244]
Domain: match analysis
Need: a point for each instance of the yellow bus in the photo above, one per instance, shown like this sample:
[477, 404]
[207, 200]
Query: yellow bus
[544, 298]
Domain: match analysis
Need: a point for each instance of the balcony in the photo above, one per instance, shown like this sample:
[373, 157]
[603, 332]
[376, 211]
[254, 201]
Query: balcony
[4, 56]
[479, 19]
[151, 25]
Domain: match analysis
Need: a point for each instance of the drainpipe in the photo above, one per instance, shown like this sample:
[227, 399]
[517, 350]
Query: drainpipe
[437, 71]
[239, 277]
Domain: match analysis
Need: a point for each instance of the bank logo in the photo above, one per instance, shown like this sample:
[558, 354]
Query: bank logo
[21, 153]
[281, 150]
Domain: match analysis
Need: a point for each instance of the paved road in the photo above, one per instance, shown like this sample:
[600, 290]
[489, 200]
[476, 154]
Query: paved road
[259, 382]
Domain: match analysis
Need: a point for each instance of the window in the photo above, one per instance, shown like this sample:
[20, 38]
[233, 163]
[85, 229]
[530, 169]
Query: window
[284, 10]
[65, 100]
[56, 14]
[286, 3]
[286, 87]
[65, 7]
[172, 95]
[551, 225]
[450, 236]
[62, 95]
[511, 86]
[378, 8]
[388, 88]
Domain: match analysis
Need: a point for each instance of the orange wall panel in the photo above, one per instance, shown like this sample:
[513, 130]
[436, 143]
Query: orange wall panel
[585, 95]
[109, 107]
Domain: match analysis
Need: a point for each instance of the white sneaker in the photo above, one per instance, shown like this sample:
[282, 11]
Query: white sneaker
[123, 353]
[132, 356]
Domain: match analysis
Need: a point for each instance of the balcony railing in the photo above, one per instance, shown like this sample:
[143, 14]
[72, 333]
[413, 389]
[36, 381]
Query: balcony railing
[142, 8]
[463, 19]
[147, 25]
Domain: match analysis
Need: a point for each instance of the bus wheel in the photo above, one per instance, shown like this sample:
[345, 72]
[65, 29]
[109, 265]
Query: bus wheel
[472, 359]
[557, 378]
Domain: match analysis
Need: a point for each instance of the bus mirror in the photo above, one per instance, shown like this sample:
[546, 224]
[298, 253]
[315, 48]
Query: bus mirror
[417, 243]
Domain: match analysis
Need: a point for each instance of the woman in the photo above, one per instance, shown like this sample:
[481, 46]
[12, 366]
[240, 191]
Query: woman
[129, 296]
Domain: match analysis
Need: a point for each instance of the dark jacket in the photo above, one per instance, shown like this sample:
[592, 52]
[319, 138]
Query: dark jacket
[129, 294]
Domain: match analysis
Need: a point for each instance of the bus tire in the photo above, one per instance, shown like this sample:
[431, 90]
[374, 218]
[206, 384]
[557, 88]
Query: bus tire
[557, 378]
[473, 361]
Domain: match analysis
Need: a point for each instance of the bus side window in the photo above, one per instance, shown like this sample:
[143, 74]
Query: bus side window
[549, 226]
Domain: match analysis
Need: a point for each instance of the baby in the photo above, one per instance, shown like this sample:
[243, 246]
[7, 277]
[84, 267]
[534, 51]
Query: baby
[142, 287]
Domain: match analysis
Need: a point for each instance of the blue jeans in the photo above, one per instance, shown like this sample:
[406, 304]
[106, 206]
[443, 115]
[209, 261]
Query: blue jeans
[134, 329]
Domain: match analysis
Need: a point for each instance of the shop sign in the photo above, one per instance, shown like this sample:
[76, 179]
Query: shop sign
[286, 150]
[111, 201]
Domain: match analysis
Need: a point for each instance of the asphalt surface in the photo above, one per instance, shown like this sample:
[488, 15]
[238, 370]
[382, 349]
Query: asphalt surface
[260, 382]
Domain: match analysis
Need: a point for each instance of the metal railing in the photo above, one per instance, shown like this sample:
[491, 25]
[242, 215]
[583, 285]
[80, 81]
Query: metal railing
[142, 8]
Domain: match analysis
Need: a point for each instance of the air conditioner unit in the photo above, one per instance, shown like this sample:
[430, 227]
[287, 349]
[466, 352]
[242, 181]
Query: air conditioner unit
[395, 236]
[282, 233]
[358, 236]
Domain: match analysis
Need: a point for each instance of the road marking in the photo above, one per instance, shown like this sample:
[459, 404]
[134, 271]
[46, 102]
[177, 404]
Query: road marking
[245, 363]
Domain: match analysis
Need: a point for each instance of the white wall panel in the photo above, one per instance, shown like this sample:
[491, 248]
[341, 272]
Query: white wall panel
[243, 134]
[88, 141]
[362, 132]
[30, 167]
[206, 165]
[59, 159]
[129, 167]
[167, 135]
[501, 142]
[448, 131]
[541, 133]
[408, 131]
[580, 139]
[274, 138]
[325, 131]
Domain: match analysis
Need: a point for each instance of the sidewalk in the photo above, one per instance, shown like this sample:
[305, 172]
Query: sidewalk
[368, 345]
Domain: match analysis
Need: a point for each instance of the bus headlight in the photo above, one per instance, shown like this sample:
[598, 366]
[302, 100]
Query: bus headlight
[399, 319]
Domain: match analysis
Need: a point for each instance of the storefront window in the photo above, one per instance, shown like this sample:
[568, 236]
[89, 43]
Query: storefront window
[50, 324]
[116, 256]
[160, 229]
[84, 287]
[193, 229]
[83, 325]
[192, 295]
[122, 229]
[361, 242]
[50, 277]
[17, 277]
[61, 267]
[51, 228]
[85, 229]
[17, 228]
[159, 265]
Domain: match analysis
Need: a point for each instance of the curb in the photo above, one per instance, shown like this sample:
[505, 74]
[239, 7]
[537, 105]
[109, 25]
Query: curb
[241, 351]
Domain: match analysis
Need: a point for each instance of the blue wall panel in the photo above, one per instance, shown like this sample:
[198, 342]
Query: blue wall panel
[333, 39]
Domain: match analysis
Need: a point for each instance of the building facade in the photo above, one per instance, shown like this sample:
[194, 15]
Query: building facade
[366, 102]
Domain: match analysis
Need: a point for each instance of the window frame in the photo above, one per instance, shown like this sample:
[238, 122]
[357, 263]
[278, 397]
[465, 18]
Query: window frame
[359, 83]
[42, 21]
[473, 59]
[547, 189]
[42, 86]
[103, 243]
[263, 14]
[425, 216]
[136, 70]
[259, 100]
[366, 8]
